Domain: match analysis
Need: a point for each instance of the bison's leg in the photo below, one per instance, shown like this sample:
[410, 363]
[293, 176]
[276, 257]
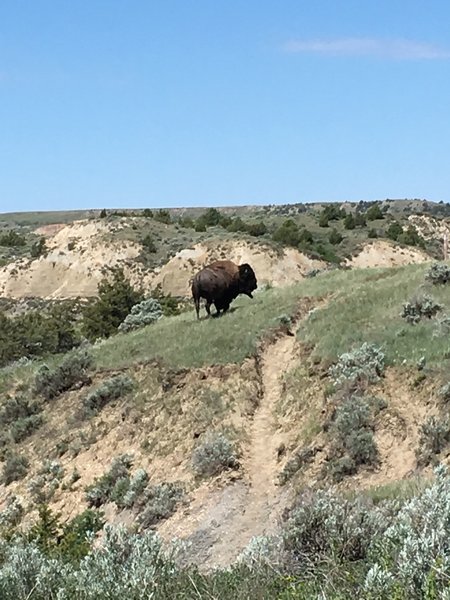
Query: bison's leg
[196, 296]
[197, 306]
[208, 307]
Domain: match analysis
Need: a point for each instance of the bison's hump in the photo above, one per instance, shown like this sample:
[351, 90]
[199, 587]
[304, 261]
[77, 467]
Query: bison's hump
[227, 266]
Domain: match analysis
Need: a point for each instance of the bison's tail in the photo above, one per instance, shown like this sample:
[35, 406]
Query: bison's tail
[196, 296]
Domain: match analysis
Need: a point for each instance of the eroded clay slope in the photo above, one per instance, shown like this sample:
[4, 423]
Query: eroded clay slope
[277, 268]
[77, 257]
[385, 254]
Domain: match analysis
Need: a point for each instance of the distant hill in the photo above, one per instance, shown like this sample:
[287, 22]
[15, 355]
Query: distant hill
[166, 246]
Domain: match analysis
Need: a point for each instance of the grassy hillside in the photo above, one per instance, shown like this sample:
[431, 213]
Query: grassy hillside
[348, 308]
[362, 306]
[310, 417]
[367, 306]
[183, 342]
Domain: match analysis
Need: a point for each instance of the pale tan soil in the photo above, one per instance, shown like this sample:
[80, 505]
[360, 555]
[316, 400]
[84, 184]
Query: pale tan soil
[76, 272]
[273, 399]
[64, 272]
[158, 427]
[49, 230]
[262, 506]
[385, 254]
[285, 268]
[398, 427]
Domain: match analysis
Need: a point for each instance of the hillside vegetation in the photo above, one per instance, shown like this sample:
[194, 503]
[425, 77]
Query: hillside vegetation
[295, 447]
[54, 256]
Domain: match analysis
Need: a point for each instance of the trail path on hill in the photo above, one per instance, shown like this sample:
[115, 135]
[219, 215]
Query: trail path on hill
[264, 501]
[220, 523]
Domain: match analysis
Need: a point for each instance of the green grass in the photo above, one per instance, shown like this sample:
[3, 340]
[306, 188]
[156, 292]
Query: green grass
[363, 305]
[401, 490]
[183, 341]
[366, 307]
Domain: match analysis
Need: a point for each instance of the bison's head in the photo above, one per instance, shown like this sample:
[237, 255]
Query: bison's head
[247, 280]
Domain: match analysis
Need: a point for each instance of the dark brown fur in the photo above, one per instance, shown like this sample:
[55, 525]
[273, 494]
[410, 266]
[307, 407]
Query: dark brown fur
[220, 283]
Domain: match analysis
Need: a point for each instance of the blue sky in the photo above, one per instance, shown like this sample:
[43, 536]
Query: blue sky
[133, 103]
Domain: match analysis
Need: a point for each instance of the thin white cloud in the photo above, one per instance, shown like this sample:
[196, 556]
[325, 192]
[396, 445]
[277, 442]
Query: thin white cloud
[398, 49]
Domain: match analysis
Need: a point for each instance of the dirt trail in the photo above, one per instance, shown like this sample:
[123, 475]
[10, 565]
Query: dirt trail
[264, 501]
[219, 523]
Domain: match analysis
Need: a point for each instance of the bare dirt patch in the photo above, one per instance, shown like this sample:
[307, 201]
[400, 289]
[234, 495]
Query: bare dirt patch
[78, 256]
[386, 254]
[277, 268]
[80, 253]
[398, 427]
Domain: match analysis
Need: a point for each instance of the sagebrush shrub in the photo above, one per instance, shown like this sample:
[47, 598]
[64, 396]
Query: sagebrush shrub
[312, 273]
[442, 326]
[361, 447]
[352, 441]
[159, 502]
[108, 390]
[22, 428]
[215, 454]
[365, 363]
[12, 514]
[153, 502]
[422, 307]
[341, 467]
[170, 306]
[353, 414]
[72, 370]
[434, 436]
[19, 417]
[126, 566]
[112, 485]
[412, 558]
[142, 314]
[5, 442]
[444, 392]
[17, 407]
[438, 274]
[324, 527]
[329, 546]
[263, 551]
[15, 467]
[48, 479]
[136, 488]
[284, 320]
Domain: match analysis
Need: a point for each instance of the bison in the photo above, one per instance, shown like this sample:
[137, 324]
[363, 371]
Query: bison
[220, 282]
